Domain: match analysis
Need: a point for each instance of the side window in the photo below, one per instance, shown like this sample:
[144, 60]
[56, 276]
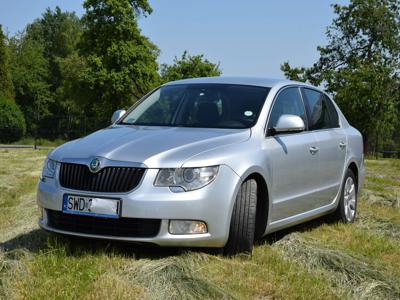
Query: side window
[288, 102]
[321, 115]
[333, 114]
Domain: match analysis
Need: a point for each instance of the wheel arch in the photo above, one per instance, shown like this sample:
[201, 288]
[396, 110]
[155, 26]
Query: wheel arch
[354, 168]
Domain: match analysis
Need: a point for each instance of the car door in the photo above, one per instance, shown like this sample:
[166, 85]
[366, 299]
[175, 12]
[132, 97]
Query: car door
[294, 166]
[331, 143]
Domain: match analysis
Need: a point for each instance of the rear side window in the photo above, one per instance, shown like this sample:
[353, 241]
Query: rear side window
[288, 102]
[322, 113]
[333, 115]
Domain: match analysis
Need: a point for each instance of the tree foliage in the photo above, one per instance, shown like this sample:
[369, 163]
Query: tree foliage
[6, 86]
[367, 94]
[38, 56]
[12, 122]
[66, 69]
[120, 62]
[189, 67]
[59, 33]
[359, 64]
[30, 73]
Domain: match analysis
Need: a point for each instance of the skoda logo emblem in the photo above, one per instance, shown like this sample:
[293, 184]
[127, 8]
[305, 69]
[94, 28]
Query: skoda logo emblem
[94, 165]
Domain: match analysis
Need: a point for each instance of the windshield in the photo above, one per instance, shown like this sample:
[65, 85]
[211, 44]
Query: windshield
[200, 105]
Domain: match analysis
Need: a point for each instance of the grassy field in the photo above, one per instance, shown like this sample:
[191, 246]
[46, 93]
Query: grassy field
[318, 260]
[39, 142]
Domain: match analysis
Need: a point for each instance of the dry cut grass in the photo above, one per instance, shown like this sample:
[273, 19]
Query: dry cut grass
[317, 260]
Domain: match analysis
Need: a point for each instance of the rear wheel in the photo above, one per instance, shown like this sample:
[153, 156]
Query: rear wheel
[243, 222]
[347, 207]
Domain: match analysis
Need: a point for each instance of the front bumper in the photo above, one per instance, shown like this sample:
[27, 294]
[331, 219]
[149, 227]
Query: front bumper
[212, 204]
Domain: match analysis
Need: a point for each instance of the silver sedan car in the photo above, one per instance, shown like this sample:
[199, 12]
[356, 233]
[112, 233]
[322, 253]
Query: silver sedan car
[207, 162]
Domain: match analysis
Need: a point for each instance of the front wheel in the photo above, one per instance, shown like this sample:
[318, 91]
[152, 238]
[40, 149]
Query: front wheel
[243, 222]
[347, 207]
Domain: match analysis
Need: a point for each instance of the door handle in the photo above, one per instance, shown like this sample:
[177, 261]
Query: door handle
[314, 150]
[342, 145]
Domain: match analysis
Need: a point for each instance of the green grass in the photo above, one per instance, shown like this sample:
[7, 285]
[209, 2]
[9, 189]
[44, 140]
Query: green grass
[317, 260]
[39, 142]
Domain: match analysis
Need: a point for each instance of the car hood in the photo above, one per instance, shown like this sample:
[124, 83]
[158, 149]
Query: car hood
[166, 147]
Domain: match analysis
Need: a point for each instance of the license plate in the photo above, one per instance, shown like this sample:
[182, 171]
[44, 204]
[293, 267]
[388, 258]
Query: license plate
[91, 206]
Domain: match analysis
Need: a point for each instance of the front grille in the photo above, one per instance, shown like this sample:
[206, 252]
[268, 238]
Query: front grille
[122, 227]
[109, 179]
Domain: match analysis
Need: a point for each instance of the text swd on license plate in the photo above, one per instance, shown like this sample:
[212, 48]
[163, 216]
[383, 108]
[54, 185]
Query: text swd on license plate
[91, 206]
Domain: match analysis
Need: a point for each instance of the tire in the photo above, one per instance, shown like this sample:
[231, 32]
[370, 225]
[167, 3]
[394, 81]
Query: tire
[347, 206]
[243, 221]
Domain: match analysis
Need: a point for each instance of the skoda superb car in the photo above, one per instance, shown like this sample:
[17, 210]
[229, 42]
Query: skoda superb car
[207, 162]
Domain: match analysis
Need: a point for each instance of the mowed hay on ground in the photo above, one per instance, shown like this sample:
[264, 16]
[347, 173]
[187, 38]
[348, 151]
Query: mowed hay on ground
[317, 260]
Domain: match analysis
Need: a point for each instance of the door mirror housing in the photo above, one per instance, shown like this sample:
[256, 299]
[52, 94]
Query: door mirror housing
[288, 124]
[117, 115]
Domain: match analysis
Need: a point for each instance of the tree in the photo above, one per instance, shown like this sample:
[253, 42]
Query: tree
[30, 73]
[359, 65]
[367, 95]
[41, 55]
[189, 67]
[12, 122]
[120, 62]
[6, 85]
[58, 32]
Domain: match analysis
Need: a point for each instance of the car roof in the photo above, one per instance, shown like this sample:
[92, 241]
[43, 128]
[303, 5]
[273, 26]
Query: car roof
[255, 81]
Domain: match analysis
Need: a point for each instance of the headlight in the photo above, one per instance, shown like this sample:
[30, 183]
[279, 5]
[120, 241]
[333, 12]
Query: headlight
[49, 168]
[187, 178]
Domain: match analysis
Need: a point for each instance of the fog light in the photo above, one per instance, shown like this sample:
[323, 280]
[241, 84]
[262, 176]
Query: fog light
[186, 227]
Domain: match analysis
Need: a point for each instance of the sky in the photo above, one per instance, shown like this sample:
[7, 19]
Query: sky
[246, 40]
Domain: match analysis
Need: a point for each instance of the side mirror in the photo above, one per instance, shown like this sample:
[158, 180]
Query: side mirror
[117, 115]
[289, 123]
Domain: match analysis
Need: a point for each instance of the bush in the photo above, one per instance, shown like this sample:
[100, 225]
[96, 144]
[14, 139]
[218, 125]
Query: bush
[12, 121]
